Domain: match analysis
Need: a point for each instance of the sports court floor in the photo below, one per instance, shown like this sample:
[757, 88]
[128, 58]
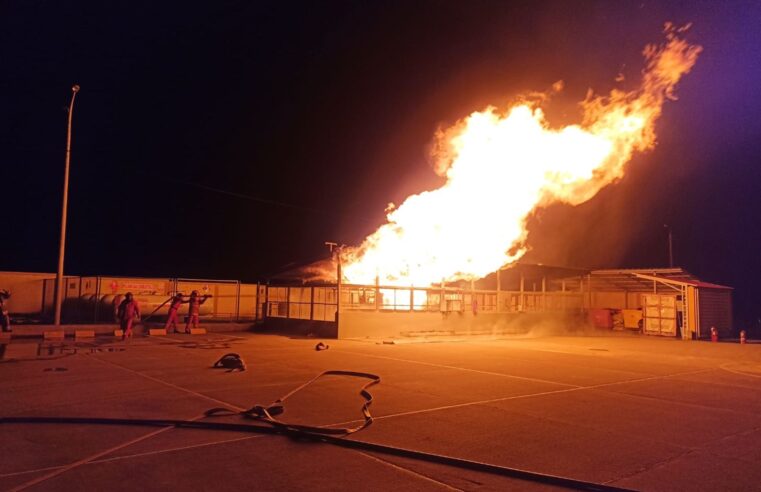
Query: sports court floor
[622, 411]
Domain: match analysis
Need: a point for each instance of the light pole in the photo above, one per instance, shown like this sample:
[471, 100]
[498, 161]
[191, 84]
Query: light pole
[62, 246]
[335, 251]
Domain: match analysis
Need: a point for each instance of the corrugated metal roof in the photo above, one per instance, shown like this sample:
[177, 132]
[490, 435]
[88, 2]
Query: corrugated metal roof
[639, 279]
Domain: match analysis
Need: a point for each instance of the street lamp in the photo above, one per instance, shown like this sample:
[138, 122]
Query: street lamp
[335, 252]
[62, 247]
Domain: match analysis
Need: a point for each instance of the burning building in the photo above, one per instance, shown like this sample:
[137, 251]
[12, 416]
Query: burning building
[439, 257]
[518, 299]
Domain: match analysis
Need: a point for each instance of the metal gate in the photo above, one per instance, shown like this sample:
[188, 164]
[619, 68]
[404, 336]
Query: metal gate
[659, 314]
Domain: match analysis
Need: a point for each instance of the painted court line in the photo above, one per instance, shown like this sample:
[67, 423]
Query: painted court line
[136, 455]
[407, 471]
[531, 395]
[91, 458]
[165, 383]
[478, 371]
[84, 461]
[95, 458]
[738, 372]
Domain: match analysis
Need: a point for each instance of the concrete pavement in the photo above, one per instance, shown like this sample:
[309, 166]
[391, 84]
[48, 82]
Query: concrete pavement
[633, 412]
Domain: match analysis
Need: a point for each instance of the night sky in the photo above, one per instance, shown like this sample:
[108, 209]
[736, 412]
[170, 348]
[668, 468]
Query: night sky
[232, 139]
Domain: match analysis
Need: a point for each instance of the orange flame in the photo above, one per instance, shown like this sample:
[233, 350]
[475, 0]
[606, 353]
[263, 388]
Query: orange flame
[501, 166]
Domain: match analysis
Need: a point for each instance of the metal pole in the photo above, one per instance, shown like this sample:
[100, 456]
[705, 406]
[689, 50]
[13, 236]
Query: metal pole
[339, 276]
[256, 303]
[544, 293]
[520, 304]
[377, 292]
[311, 303]
[335, 251]
[62, 247]
[499, 287]
[237, 303]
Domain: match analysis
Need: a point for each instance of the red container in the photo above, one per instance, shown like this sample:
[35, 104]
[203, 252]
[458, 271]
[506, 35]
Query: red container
[601, 318]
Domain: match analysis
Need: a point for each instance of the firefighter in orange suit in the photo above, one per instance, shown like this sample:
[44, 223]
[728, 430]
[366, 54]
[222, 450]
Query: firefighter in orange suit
[194, 309]
[174, 305]
[128, 313]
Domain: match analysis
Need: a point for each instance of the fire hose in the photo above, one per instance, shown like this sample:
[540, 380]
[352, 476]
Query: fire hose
[143, 320]
[329, 435]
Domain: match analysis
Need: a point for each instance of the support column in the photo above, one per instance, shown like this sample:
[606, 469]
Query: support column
[311, 303]
[287, 302]
[256, 303]
[521, 303]
[97, 299]
[339, 274]
[473, 301]
[544, 293]
[499, 287]
[443, 303]
[237, 302]
[377, 293]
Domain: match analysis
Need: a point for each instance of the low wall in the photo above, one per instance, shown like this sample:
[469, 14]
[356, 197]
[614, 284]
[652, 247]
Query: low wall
[370, 324]
[299, 327]
[36, 331]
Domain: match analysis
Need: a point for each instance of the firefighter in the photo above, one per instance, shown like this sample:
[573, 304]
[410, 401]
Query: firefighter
[194, 308]
[128, 313]
[5, 319]
[174, 305]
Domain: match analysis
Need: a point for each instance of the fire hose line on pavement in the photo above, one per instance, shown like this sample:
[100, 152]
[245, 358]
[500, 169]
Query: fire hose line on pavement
[329, 435]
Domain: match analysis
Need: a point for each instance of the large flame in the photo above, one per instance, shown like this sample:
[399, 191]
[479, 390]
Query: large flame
[501, 165]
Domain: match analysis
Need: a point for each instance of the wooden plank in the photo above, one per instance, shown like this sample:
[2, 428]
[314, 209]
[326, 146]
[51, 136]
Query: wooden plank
[57, 334]
[118, 332]
[198, 331]
[156, 332]
[84, 334]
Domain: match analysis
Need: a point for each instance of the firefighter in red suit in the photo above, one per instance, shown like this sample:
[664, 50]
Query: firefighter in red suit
[128, 313]
[174, 305]
[194, 309]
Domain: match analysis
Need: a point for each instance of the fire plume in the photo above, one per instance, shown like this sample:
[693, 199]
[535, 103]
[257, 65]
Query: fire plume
[501, 165]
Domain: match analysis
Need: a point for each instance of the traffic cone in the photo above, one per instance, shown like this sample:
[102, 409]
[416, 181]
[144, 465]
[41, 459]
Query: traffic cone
[714, 334]
[742, 336]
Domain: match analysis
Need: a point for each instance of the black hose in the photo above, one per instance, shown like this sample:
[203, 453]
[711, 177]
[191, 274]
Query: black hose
[504, 471]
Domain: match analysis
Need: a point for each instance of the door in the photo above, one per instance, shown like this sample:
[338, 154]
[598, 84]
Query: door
[659, 314]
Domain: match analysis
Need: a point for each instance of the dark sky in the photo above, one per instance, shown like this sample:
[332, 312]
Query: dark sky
[227, 139]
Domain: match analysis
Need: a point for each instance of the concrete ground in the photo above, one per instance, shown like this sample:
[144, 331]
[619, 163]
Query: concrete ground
[632, 412]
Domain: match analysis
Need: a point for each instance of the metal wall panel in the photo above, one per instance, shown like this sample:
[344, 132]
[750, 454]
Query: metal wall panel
[715, 310]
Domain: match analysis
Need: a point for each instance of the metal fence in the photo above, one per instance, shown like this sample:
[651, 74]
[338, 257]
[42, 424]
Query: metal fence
[377, 298]
[319, 302]
[95, 299]
[306, 303]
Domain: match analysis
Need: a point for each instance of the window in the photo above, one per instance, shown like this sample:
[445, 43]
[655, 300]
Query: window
[324, 304]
